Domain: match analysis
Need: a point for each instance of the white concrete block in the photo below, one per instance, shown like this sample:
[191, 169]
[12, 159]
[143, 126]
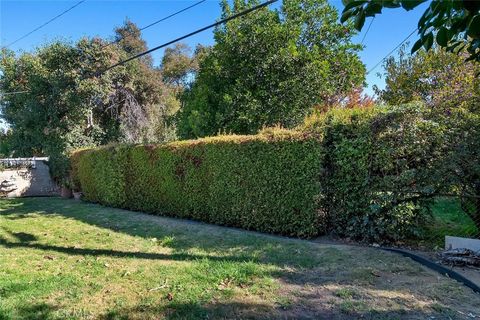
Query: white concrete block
[462, 243]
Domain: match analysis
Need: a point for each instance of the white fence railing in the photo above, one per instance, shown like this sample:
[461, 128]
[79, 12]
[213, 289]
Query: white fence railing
[12, 163]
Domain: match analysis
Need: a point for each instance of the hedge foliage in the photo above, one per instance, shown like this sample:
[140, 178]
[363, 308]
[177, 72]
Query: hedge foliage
[380, 169]
[267, 182]
[364, 173]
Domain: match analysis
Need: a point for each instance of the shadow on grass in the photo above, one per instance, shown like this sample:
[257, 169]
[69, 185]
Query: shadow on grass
[30, 312]
[217, 310]
[183, 235]
[233, 245]
[186, 310]
[244, 310]
[25, 241]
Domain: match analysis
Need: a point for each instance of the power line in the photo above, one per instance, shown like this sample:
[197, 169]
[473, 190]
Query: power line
[237, 15]
[368, 29]
[44, 24]
[393, 50]
[158, 21]
[172, 15]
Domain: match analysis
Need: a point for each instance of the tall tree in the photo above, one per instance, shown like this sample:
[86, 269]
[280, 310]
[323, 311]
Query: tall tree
[270, 67]
[438, 78]
[66, 105]
[178, 64]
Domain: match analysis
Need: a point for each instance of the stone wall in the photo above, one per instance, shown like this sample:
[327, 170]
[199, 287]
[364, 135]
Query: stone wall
[26, 180]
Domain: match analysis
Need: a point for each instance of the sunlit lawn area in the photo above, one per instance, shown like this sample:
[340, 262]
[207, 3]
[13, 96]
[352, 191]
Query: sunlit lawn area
[62, 259]
[449, 219]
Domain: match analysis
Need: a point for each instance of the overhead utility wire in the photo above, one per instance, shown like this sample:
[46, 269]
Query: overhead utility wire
[368, 29]
[180, 38]
[118, 40]
[44, 24]
[393, 50]
[237, 15]
[158, 21]
[172, 15]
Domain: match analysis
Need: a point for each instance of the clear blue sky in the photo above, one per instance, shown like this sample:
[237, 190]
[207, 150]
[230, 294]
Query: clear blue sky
[98, 18]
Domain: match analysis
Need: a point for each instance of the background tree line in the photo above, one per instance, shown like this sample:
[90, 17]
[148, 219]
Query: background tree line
[270, 67]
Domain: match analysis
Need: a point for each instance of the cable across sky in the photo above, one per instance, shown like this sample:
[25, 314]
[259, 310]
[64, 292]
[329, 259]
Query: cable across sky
[158, 21]
[45, 23]
[220, 22]
[391, 52]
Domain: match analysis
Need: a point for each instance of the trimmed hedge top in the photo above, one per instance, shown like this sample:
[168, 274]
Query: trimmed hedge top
[366, 174]
[266, 182]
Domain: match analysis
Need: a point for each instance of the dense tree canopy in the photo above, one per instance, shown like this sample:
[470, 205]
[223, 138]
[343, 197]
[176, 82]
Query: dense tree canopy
[66, 105]
[438, 78]
[450, 92]
[270, 67]
[178, 64]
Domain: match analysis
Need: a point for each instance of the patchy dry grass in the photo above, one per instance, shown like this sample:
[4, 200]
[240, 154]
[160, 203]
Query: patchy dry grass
[61, 259]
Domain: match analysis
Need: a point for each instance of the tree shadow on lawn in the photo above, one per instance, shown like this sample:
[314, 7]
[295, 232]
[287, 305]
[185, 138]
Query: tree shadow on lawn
[250, 310]
[25, 241]
[31, 311]
[215, 310]
[241, 310]
[191, 240]
[302, 265]
[183, 236]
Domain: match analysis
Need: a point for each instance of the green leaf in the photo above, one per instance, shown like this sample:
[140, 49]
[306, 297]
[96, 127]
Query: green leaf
[346, 15]
[443, 37]
[459, 24]
[428, 41]
[360, 20]
[354, 4]
[425, 17]
[474, 27]
[472, 6]
[373, 8]
[417, 45]
[391, 4]
[410, 4]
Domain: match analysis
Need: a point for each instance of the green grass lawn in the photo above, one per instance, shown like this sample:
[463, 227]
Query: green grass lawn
[62, 259]
[449, 219]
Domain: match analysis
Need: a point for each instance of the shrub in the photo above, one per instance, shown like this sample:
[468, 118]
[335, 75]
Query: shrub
[267, 182]
[362, 173]
[380, 169]
[101, 174]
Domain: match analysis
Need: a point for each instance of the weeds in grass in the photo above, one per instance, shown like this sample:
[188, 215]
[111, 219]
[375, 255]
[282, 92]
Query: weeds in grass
[64, 259]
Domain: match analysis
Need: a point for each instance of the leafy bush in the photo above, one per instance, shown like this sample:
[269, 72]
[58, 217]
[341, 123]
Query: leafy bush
[367, 174]
[380, 169]
[267, 182]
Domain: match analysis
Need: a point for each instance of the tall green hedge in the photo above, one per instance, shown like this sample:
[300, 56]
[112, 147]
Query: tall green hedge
[364, 174]
[381, 170]
[267, 182]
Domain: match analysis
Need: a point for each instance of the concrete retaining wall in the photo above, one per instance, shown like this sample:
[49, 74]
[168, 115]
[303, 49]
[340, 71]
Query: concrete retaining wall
[26, 177]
